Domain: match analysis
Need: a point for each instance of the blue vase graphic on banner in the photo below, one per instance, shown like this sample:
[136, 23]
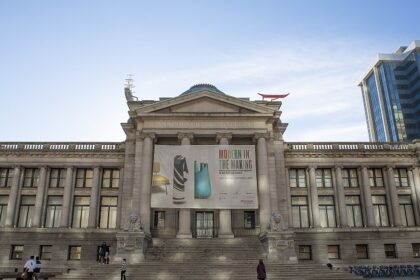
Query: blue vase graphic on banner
[202, 185]
[180, 168]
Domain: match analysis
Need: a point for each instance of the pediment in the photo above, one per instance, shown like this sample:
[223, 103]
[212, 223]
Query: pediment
[204, 105]
[205, 102]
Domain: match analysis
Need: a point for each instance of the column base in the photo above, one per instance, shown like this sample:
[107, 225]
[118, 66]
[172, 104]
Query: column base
[184, 235]
[225, 235]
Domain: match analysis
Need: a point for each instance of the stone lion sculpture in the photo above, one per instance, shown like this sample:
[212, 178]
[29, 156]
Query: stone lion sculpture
[277, 222]
[134, 222]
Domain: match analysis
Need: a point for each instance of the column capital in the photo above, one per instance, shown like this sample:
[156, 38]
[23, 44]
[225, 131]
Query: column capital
[339, 166]
[389, 167]
[143, 135]
[221, 135]
[312, 166]
[182, 135]
[363, 166]
[259, 135]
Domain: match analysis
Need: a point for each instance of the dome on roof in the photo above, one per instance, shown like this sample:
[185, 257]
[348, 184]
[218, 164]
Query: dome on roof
[201, 87]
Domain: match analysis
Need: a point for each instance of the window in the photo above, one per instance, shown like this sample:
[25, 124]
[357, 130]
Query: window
[84, 178]
[333, 252]
[300, 212]
[16, 252]
[111, 178]
[81, 211]
[6, 177]
[159, 220]
[401, 177]
[297, 178]
[45, 252]
[416, 250]
[406, 210]
[350, 178]
[354, 211]
[380, 210]
[3, 209]
[362, 251]
[57, 178]
[305, 252]
[390, 252]
[27, 208]
[249, 219]
[323, 178]
[108, 216]
[376, 177]
[30, 178]
[54, 208]
[327, 211]
[74, 253]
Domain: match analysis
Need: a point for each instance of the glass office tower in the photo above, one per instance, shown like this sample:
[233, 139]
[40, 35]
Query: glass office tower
[391, 95]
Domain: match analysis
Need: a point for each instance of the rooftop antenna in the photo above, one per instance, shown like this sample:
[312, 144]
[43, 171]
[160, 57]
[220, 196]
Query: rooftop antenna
[128, 89]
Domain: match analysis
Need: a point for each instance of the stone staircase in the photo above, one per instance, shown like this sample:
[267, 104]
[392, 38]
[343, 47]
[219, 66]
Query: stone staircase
[200, 259]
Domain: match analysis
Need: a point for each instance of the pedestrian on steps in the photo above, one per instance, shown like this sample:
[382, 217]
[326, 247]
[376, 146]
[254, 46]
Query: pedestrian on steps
[261, 271]
[123, 269]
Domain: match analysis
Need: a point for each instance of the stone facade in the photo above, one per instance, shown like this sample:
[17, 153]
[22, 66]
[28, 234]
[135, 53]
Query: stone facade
[62, 200]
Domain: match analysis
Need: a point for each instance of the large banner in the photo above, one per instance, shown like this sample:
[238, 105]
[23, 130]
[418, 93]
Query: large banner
[204, 176]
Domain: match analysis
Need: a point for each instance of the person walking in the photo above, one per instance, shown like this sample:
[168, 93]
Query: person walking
[37, 269]
[29, 267]
[123, 269]
[261, 271]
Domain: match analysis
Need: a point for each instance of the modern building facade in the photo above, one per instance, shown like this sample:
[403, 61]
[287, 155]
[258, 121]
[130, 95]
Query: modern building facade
[326, 202]
[391, 95]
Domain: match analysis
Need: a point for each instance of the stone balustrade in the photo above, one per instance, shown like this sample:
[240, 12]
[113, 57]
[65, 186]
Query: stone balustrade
[347, 146]
[62, 146]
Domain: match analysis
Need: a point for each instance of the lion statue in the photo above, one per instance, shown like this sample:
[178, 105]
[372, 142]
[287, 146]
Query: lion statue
[277, 222]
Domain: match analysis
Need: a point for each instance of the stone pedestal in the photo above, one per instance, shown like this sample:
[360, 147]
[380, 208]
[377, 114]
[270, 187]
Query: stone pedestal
[132, 245]
[280, 246]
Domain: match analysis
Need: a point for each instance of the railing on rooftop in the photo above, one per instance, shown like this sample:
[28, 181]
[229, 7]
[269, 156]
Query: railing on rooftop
[61, 146]
[345, 146]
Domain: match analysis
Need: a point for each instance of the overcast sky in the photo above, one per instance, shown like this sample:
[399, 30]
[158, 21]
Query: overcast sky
[63, 63]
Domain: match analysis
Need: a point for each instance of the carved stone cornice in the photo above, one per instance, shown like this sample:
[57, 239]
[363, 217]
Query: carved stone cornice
[221, 135]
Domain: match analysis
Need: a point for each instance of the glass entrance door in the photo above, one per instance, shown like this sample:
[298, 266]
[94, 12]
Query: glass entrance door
[204, 221]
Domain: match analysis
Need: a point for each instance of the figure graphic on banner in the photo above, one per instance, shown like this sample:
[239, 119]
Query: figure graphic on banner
[180, 167]
[202, 185]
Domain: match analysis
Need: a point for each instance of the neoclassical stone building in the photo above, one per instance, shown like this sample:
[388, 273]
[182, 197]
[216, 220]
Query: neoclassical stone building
[208, 165]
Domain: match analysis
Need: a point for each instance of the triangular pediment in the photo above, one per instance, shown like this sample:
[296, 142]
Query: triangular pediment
[205, 102]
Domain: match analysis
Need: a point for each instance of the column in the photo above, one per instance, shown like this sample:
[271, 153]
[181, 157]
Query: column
[94, 197]
[415, 191]
[68, 189]
[392, 192]
[263, 183]
[314, 197]
[341, 200]
[146, 182]
[11, 204]
[137, 181]
[225, 215]
[368, 207]
[39, 200]
[184, 222]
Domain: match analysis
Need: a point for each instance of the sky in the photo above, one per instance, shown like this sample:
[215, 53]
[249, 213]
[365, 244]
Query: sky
[63, 64]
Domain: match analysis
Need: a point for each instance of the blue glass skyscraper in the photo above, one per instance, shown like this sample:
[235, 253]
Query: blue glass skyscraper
[391, 95]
